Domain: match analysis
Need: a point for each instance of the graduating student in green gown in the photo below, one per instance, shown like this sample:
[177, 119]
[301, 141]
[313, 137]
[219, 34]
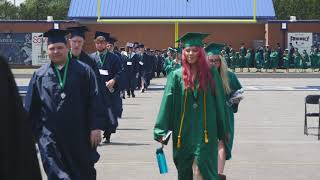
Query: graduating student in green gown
[248, 59]
[286, 57]
[317, 52]
[193, 108]
[297, 59]
[259, 59]
[168, 60]
[243, 52]
[176, 63]
[305, 61]
[274, 60]
[230, 85]
[233, 62]
[314, 59]
[266, 56]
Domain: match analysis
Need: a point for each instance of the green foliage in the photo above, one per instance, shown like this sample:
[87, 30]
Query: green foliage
[35, 10]
[302, 9]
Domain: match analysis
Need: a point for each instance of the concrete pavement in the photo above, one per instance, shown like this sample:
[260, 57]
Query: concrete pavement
[269, 141]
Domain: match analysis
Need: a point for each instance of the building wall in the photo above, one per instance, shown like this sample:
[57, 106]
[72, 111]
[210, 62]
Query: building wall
[152, 35]
[160, 36]
[275, 34]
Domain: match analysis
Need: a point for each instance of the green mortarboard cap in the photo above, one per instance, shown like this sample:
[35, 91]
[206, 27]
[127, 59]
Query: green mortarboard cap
[179, 50]
[214, 48]
[193, 39]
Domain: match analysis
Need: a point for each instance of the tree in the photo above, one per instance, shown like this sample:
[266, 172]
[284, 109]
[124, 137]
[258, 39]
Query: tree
[302, 9]
[8, 10]
[40, 9]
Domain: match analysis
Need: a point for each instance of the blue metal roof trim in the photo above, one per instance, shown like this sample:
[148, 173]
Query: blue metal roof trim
[165, 9]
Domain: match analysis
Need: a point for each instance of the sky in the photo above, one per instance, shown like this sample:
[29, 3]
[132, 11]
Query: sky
[18, 2]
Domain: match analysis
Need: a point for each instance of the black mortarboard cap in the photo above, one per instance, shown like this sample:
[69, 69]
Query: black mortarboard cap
[111, 40]
[103, 34]
[56, 36]
[141, 46]
[78, 31]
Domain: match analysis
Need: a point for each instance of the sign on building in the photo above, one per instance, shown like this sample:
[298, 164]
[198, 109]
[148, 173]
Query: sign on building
[39, 50]
[302, 41]
[16, 48]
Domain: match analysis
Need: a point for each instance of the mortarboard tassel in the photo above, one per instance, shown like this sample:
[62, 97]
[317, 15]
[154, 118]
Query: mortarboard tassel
[206, 139]
[179, 142]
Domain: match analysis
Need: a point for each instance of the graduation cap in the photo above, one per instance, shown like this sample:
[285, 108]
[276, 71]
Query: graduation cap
[78, 31]
[129, 44]
[214, 48]
[111, 40]
[135, 45]
[193, 39]
[103, 34]
[171, 50]
[56, 36]
[141, 46]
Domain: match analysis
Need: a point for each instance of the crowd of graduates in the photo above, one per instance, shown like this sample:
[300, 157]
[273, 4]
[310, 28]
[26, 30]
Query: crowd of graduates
[271, 58]
[76, 96]
[261, 59]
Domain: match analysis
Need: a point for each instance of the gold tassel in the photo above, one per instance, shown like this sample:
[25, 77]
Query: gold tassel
[206, 139]
[179, 142]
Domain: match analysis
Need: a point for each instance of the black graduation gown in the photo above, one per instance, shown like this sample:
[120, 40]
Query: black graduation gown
[160, 61]
[123, 80]
[112, 66]
[146, 65]
[18, 159]
[62, 126]
[102, 110]
[131, 70]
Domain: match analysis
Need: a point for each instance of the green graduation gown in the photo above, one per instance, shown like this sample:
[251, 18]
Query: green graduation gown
[171, 66]
[234, 86]
[305, 60]
[167, 64]
[274, 59]
[248, 60]
[297, 60]
[193, 146]
[267, 63]
[314, 59]
[286, 63]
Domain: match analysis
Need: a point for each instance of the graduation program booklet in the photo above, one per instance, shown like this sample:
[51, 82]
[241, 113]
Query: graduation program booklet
[165, 139]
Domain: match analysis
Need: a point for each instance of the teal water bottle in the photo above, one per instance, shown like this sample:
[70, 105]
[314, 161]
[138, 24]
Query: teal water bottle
[162, 163]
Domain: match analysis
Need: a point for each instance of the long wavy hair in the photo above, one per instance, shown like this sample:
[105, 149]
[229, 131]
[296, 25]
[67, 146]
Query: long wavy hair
[203, 72]
[223, 70]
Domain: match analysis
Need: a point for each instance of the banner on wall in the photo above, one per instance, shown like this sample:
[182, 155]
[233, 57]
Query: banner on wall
[302, 41]
[16, 48]
[39, 50]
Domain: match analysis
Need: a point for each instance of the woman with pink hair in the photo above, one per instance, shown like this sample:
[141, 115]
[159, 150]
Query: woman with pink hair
[193, 109]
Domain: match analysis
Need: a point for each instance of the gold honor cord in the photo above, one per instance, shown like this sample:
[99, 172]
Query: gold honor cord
[206, 139]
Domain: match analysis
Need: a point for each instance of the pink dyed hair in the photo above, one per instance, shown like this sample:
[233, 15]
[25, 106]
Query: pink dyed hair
[204, 72]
